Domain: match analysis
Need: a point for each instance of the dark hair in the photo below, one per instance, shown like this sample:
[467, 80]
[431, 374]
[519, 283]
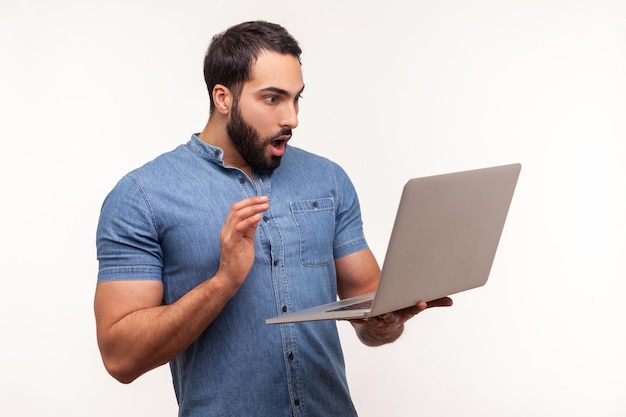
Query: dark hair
[230, 56]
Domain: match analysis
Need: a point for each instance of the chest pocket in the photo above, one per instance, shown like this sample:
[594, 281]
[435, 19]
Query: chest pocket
[315, 222]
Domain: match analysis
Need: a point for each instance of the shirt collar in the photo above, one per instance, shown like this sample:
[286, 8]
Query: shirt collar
[204, 150]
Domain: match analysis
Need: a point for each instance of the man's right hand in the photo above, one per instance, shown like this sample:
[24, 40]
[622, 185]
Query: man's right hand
[237, 240]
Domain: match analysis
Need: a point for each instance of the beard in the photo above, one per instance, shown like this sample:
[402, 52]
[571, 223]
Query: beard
[250, 145]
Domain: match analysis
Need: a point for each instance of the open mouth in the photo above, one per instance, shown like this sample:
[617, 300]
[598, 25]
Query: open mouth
[279, 144]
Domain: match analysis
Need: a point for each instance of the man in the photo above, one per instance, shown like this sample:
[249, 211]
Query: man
[198, 247]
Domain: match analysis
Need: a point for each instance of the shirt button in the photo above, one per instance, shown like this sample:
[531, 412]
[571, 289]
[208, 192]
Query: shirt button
[290, 356]
[315, 204]
[217, 153]
[284, 309]
[276, 262]
[266, 219]
[242, 180]
[296, 402]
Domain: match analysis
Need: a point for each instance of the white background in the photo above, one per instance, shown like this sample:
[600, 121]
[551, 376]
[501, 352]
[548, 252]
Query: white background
[90, 90]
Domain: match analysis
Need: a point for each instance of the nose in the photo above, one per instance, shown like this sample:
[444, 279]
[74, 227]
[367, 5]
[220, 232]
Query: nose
[290, 116]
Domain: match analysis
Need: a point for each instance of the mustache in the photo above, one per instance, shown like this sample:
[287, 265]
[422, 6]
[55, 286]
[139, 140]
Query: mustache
[283, 132]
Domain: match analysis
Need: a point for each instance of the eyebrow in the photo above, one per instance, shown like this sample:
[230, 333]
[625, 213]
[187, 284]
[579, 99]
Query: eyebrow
[280, 91]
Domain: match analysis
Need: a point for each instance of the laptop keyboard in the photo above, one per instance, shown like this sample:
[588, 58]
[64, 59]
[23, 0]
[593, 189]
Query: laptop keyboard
[356, 306]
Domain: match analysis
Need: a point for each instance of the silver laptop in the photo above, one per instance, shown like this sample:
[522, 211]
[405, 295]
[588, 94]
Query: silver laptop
[443, 241]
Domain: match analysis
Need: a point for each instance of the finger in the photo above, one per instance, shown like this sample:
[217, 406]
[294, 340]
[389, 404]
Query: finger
[411, 311]
[249, 207]
[381, 321]
[417, 308]
[423, 305]
[441, 302]
[246, 213]
[250, 201]
[387, 317]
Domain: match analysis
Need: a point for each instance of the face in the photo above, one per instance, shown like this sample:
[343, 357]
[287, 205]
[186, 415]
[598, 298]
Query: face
[266, 111]
[252, 147]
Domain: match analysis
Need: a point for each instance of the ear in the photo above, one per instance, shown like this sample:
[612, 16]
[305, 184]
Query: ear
[223, 98]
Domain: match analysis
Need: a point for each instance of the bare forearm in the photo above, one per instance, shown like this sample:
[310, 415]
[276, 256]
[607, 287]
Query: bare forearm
[147, 338]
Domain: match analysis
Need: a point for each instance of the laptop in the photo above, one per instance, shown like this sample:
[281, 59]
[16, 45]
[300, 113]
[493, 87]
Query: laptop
[443, 241]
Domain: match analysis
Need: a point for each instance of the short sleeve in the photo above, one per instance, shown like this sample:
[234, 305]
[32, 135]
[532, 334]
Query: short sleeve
[349, 236]
[127, 239]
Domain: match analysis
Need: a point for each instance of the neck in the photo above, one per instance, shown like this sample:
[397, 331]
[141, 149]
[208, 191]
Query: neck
[214, 133]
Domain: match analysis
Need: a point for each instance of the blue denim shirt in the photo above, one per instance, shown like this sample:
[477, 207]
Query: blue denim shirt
[163, 221]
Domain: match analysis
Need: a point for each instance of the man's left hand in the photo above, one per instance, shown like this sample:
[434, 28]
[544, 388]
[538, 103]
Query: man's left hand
[386, 328]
